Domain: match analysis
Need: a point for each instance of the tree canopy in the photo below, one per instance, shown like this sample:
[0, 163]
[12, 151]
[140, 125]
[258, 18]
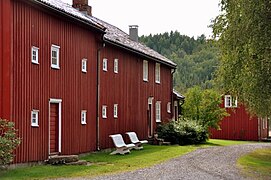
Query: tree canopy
[196, 59]
[243, 30]
[203, 106]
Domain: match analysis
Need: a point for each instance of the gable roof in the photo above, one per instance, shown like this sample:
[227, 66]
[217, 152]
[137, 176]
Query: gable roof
[113, 35]
[118, 37]
[68, 10]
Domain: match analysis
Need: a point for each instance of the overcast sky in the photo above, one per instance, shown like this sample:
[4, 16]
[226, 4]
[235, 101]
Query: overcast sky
[189, 17]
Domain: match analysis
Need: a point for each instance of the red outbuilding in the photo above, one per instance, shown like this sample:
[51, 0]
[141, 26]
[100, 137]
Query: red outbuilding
[68, 79]
[240, 125]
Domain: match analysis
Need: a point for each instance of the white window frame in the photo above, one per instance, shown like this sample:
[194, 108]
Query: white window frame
[169, 107]
[36, 50]
[57, 49]
[104, 111]
[84, 65]
[84, 117]
[115, 110]
[145, 70]
[116, 65]
[104, 64]
[36, 113]
[157, 73]
[229, 101]
[158, 111]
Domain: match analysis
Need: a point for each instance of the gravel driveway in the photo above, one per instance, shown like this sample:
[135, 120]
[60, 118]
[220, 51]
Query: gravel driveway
[206, 163]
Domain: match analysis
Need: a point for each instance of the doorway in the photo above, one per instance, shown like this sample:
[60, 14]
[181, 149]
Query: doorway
[150, 117]
[54, 126]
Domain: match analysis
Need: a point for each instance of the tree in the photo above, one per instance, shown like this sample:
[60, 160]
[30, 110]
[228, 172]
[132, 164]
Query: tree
[8, 141]
[203, 106]
[243, 30]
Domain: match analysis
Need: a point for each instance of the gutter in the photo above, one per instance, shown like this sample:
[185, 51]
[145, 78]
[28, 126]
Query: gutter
[97, 28]
[140, 53]
[172, 94]
[98, 96]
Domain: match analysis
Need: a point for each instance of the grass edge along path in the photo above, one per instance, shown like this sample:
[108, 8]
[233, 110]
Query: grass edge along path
[256, 164]
[103, 163]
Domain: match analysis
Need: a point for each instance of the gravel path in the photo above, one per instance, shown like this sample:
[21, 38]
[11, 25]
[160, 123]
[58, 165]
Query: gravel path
[206, 163]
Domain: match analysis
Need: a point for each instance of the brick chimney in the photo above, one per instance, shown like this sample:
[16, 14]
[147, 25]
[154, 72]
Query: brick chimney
[82, 5]
[133, 32]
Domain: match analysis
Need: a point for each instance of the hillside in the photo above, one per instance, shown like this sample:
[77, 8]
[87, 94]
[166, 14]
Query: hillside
[197, 59]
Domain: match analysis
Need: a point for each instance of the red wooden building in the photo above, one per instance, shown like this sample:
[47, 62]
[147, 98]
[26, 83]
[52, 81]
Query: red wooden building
[239, 125]
[69, 79]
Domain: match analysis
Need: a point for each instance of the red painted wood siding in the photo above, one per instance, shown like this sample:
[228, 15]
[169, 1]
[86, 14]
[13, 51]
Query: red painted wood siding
[238, 126]
[131, 93]
[5, 59]
[34, 84]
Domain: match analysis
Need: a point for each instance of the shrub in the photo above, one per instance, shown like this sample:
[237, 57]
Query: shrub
[183, 132]
[8, 141]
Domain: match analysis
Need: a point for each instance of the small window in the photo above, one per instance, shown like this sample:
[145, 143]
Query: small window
[35, 55]
[115, 110]
[55, 56]
[35, 118]
[230, 101]
[105, 64]
[169, 107]
[157, 73]
[158, 111]
[104, 108]
[116, 65]
[145, 70]
[84, 65]
[83, 117]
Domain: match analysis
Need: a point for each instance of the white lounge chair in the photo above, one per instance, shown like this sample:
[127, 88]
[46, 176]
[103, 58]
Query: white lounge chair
[121, 147]
[136, 141]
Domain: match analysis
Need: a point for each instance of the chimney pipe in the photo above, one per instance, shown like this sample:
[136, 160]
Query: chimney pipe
[82, 5]
[133, 32]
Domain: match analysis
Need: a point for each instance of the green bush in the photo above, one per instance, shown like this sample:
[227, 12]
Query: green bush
[183, 132]
[8, 141]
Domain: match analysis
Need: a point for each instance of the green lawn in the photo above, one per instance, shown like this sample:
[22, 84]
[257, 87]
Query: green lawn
[103, 163]
[256, 164]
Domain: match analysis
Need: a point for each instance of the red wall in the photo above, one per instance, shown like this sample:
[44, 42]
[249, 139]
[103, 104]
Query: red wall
[131, 93]
[5, 58]
[34, 84]
[238, 126]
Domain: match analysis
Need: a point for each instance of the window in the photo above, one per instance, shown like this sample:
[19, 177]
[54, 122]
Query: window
[145, 70]
[35, 118]
[230, 101]
[35, 55]
[104, 111]
[116, 65]
[115, 110]
[169, 107]
[105, 64]
[83, 117]
[158, 111]
[157, 73]
[84, 65]
[55, 56]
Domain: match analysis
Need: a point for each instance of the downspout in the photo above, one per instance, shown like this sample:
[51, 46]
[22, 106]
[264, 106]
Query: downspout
[98, 96]
[172, 95]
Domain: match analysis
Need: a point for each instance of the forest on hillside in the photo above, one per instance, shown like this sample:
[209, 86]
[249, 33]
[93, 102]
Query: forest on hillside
[196, 59]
